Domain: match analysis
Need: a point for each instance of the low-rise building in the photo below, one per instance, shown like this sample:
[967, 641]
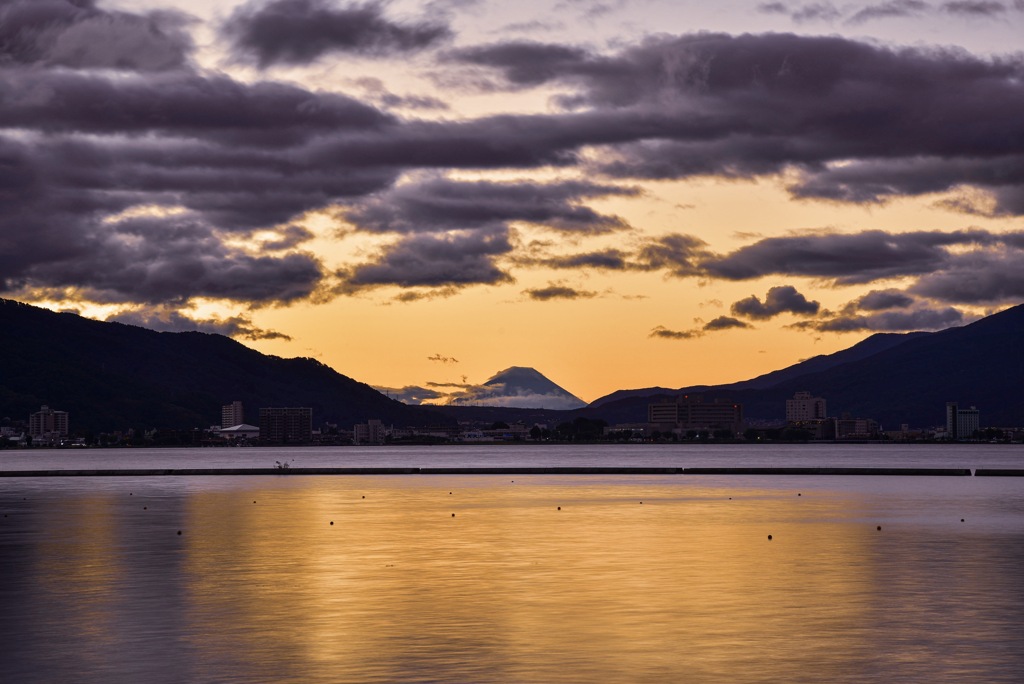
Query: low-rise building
[856, 428]
[239, 433]
[690, 413]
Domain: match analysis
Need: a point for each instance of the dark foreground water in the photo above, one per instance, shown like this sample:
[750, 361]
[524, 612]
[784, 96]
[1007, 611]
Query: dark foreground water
[514, 579]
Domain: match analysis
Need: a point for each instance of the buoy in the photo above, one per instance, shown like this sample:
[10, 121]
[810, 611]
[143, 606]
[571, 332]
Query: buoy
[179, 533]
[769, 537]
[559, 508]
[332, 522]
[961, 519]
[453, 515]
[144, 508]
[798, 493]
[879, 528]
[364, 496]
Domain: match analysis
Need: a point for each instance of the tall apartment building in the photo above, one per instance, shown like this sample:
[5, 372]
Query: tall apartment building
[803, 407]
[47, 422]
[961, 423]
[292, 425]
[231, 414]
[690, 413]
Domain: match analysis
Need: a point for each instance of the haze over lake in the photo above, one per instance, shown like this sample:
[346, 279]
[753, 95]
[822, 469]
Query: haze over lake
[520, 578]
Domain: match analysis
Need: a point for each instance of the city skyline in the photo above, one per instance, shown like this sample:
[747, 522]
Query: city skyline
[420, 194]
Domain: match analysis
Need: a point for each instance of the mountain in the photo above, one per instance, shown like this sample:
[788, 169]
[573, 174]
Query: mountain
[519, 387]
[863, 349]
[111, 376]
[895, 380]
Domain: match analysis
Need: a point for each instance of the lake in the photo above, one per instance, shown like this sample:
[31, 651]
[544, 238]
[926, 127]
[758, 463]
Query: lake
[539, 578]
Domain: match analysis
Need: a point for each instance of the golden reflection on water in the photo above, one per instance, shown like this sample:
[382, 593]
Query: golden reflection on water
[639, 585]
[522, 579]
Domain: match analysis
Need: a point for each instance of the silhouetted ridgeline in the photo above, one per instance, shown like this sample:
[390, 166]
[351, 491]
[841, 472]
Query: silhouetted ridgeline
[111, 376]
[892, 378]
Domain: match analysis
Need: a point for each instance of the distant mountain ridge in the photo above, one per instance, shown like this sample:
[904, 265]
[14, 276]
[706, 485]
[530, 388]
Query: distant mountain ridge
[878, 342]
[111, 376]
[899, 379]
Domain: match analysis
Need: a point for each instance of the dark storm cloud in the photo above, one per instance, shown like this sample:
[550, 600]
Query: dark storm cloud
[603, 260]
[815, 11]
[922, 318]
[85, 154]
[725, 323]
[554, 291]
[667, 334]
[876, 180]
[719, 323]
[832, 109]
[303, 31]
[184, 105]
[441, 204]
[676, 253]
[452, 259]
[893, 9]
[887, 10]
[170, 320]
[976, 278]
[847, 258]
[608, 260]
[79, 35]
[881, 300]
[154, 260]
[779, 300]
[975, 8]
[524, 62]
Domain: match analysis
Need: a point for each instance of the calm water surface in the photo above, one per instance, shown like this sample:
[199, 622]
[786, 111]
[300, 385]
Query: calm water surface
[534, 578]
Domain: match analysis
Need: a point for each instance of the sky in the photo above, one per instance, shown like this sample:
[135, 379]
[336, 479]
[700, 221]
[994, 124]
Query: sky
[421, 194]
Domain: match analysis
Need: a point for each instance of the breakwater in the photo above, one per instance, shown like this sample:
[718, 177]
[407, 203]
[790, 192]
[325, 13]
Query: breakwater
[503, 470]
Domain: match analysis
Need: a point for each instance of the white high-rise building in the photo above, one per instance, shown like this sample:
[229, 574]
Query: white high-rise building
[48, 423]
[803, 407]
[961, 423]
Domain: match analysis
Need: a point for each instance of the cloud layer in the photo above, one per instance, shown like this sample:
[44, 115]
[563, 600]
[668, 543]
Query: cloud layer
[132, 176]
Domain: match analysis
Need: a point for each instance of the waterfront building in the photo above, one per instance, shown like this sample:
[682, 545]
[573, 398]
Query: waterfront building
[685, 413]
[961, 423]
[370, 432]
[239, 433]
[231, 414]
[856, 428]
[290, 425]
[47, 424]
[803, 407]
